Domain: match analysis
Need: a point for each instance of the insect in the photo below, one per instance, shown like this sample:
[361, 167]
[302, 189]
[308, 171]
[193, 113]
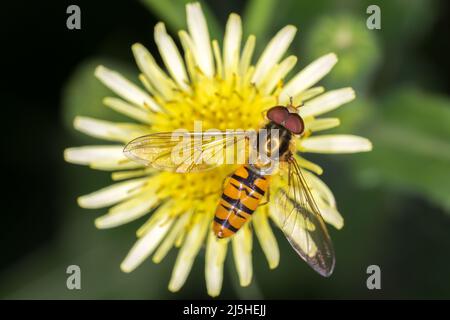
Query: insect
[247, 187]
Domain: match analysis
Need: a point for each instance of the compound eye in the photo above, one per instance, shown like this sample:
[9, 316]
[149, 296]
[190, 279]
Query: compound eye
[294, 123]
[278, 114]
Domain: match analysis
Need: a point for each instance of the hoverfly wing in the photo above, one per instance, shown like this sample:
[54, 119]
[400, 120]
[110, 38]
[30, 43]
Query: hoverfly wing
[301, 222]
[184, 151]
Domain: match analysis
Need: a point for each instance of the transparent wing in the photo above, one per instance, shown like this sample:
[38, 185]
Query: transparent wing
[302, 223]
[187, 151]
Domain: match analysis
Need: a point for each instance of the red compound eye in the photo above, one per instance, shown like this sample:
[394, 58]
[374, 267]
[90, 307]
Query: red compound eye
[278, 114]
[294, 123]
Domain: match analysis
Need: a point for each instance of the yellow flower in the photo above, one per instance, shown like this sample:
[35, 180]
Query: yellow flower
[224, 90]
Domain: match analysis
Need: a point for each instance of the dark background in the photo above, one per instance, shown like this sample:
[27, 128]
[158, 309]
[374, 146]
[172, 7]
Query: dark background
[410, 241]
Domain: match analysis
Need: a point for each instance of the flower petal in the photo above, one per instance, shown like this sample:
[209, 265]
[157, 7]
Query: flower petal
[322, 124]
[325, 200]
[127, 109]
[329, 214]
[127, 211]
[321, 188]
[266, 237]
[277, 74]
[218, 59]
[216, 251]
[146, 244]
[336, 144]
[171, 56]
[232, 44]
[112, 194]
[88, 154]
[169, 240]
[153, 73]
[309, 165]
[198, 29]
[128, 174]
[327, 102]
[294, 227]
[189, 53]
[189, 251]
[307, 94]
[308, 76]
[124, 88]
[246, 56]
[273, 52]
[112, 131]
[242, 253]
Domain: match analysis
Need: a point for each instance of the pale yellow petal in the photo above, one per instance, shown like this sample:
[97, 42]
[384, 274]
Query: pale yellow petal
[273, 52]
[334, 143]
[127, 109]
[218, 59]
[145, 245]
[198, 29]
[321, 188]
[128, 174]
[277, 74]
[171, 56]
[112, 194]
[127, 211]
[246, 56]
[266, 237]
[232, 44]
[304, 163]
[242, 253]
[189, 55]
[322, 124]
[216, 251]
[307, 94]
[169, 240]
[87, 154]
[307, 77]
[327, 102]
[189, 251]
[153, 73]
[294, 226]
[124, 88]
[329, 214]
[107, 130]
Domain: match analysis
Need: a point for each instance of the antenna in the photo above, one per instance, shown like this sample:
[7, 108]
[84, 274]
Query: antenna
[291, 103]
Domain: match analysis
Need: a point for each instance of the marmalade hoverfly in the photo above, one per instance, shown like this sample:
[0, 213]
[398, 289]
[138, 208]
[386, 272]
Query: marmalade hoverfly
[297, 213]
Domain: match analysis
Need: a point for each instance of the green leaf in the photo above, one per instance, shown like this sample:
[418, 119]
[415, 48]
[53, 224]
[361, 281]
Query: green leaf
[356, 47]
[354, 115]
[402, 21]
[83, 92]
[411, 146]
[169, 11]
[257, 17]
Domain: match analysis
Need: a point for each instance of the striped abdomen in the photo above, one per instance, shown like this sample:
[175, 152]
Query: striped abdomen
[241, 196]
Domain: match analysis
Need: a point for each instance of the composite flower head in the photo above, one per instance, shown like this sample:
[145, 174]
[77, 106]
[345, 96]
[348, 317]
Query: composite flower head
[224, 88]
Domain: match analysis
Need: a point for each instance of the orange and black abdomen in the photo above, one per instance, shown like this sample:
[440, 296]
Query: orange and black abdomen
[240, 198]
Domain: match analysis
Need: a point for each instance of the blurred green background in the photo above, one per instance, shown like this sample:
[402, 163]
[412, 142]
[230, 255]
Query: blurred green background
[395, 200]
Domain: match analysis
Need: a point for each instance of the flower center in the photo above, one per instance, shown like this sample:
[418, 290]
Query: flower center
[217, 104]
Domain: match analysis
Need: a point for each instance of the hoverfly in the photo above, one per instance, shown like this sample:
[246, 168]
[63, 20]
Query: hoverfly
[296, 212]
